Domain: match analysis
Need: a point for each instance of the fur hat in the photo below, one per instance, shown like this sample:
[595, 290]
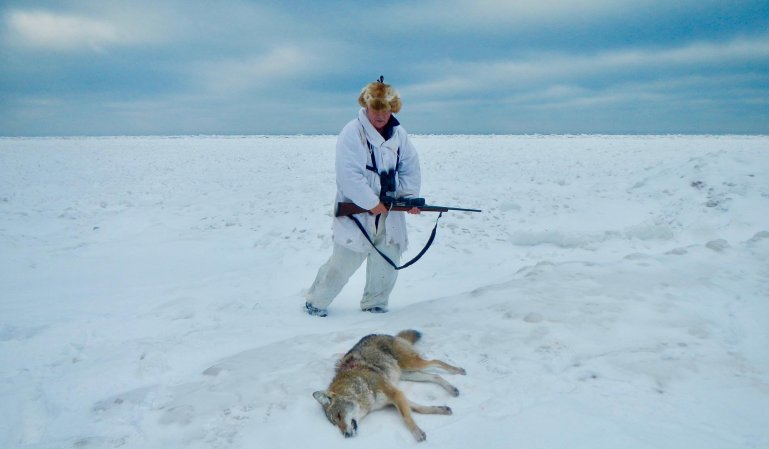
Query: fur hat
[380, 97]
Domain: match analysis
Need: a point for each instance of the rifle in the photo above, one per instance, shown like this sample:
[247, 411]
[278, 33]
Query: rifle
[344, 209]
[347, 209]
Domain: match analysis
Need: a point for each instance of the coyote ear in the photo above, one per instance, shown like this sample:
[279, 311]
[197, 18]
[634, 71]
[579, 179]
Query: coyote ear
[322, 397]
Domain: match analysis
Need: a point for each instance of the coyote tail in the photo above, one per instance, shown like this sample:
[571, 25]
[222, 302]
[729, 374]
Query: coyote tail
[410, 335]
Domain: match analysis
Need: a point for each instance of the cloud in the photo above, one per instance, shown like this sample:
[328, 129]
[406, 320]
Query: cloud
[491, 14]
[288, 65]
[542, 10]
[703, 86]
[42, 29]
[95, 29]
[253, 72]
[475, 63]
[547, 69]
[59, 32]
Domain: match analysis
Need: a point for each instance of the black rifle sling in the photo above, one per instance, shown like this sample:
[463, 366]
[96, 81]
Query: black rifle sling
[387, 259]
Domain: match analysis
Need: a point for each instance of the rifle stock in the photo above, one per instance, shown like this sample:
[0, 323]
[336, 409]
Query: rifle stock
[344, 209]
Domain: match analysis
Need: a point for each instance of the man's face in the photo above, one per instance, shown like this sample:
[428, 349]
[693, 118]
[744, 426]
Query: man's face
[378, 118]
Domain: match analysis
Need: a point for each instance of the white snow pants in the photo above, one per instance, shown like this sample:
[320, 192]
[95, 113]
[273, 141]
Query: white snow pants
[343, 263]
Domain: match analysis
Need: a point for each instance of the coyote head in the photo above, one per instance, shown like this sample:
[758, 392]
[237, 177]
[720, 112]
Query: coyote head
[343, 412]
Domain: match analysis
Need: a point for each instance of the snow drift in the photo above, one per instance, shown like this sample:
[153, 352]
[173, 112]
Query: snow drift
[613, 293]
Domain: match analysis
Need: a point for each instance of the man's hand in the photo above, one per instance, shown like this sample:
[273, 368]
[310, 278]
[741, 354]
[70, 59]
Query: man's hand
[379, 209]
[414, 211]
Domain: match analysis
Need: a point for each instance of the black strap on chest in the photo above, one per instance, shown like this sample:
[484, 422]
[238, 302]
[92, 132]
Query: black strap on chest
[373, 166]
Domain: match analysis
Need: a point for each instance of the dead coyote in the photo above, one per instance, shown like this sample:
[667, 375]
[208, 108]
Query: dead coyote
[367, 376]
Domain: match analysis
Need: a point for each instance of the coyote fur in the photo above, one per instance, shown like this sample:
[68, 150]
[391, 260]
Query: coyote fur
[367, 376]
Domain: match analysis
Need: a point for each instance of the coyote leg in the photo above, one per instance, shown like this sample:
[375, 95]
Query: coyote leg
[404, 408]
[449, 368]
[430, 410]
[416, 363]
[419, 376]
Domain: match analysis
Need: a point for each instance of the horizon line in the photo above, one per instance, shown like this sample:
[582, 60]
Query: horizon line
[202, 135]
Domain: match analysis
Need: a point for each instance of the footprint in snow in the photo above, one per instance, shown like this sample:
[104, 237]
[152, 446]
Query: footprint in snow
[719, 245]
[533, 317]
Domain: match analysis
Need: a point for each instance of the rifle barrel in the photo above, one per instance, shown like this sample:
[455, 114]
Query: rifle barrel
[462, 209]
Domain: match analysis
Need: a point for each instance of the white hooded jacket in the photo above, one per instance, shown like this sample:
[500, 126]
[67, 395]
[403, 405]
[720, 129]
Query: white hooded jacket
[355, 183]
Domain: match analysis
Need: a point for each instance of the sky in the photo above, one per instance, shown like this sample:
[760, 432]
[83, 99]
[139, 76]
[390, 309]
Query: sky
[173, 67]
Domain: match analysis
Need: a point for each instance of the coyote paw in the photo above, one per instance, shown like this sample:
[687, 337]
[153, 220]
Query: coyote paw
[462, 371]
[444, 410]
[419, 435]
[454, 391]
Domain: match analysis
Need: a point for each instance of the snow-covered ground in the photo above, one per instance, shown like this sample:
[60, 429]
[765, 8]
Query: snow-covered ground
[614, 293]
